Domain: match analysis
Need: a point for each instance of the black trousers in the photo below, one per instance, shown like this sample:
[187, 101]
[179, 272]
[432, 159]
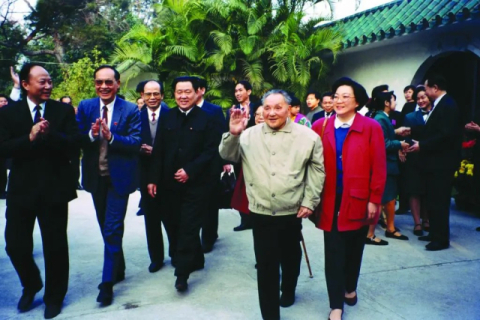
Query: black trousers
[153, 227]
[439, 194]
[343, 259]
[76, 169]
[210, 219]
[183, 213]
[277, 244]
[52, 219]
[3, 175]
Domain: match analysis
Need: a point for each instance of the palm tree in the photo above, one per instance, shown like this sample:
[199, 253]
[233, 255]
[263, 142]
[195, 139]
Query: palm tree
[225, 41]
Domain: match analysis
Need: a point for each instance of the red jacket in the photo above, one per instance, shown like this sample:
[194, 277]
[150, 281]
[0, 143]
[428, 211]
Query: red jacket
[364, 173]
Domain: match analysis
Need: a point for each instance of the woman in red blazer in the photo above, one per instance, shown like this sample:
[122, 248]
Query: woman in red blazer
[355, 167]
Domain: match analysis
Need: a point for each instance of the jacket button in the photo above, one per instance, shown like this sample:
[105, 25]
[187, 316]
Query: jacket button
[273, 173]
[273, 153]
[274, 133]
[273, 213]
[273, 195]
[251, 184]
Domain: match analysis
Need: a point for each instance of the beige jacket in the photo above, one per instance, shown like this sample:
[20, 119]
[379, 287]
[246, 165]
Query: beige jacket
[283, 169]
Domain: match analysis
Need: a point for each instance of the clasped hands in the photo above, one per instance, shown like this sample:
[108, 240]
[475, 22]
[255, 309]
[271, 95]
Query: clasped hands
[472, 126]
[40, 129]
[102, 125]
[406, 148]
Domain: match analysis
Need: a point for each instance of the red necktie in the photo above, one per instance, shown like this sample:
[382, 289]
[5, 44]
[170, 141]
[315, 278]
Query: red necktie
[105, 114]
[153, 117]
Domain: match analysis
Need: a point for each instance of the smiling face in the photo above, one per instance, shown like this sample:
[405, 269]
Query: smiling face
[39, 85]
[185, 95]
[423, 101]
[344, 101]
[152, 95]
[105, 85]
[275, 111]
[327, 104]
[241, 94]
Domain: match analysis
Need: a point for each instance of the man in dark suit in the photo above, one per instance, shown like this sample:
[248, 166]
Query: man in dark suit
[439, 148]
[184, 149]
[110, 128]
[40, 135]
[327, 105]
[210, 221]
[152, 94]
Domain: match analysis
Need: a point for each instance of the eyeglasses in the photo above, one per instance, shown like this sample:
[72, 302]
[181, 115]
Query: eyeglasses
[149, 94]
[107, 82]
[336, 98]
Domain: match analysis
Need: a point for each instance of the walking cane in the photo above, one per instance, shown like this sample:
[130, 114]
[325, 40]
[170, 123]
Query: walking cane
[306, 255]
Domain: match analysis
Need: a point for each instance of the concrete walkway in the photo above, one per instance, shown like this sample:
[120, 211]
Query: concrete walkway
[399, 281]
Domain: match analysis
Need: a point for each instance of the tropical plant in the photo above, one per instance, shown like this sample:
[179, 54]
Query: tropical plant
[270, 45]
[78, 78]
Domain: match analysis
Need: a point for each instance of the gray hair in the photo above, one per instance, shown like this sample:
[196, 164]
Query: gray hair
[284, 93]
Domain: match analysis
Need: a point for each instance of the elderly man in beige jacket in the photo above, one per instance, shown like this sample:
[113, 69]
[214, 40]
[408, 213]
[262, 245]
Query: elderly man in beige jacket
[284, 174]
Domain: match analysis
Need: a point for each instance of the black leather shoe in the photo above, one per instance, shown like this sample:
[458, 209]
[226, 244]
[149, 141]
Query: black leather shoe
[206, 248]
[425, 238]
[242, 227]
[155, 266]
[437, 246]
[351, 301]
[52, 310]
[287, 299]
[393, 235]
[181, 284]
[105, 296]
[26, 300]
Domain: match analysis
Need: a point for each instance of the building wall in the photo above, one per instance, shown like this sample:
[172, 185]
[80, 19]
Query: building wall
[398, 61]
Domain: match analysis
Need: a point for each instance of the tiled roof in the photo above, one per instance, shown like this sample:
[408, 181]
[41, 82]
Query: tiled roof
[403, 17]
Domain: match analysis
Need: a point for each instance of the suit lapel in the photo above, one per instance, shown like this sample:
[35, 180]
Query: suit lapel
[25, 113]
[50, 111]
[419, 116]
[117, 114]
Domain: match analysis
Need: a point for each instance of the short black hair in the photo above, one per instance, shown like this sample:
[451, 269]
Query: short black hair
[107, 66]
[139, 99]
[378, 89]
[381, 98]
[435, 79]
[317, 94]
[143, 83]
[24, 74]
[295, 102]
[417, 91]
[409, 87]
[65, 97]
[361, 96]
[192, 80]
[327, 94]
[202, 83]
[245, 84]
[3, 96]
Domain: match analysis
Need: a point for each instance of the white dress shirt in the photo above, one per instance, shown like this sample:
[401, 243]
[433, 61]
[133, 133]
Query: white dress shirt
[109, 115]
[339, 123]
[32, 106]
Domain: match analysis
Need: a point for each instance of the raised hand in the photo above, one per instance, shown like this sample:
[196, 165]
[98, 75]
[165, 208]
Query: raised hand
[238, 121]
[96, 128]
[403, 131]
[106, 130]
[15, 78]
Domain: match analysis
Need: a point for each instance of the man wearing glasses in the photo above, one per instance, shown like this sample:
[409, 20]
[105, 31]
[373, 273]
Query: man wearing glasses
[110, 128]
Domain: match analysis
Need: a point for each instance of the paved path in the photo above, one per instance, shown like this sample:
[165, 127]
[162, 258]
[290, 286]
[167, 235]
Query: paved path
[401, 281]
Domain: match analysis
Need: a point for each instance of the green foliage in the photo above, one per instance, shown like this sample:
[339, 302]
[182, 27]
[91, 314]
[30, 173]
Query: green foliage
[230, 40]
[78, 78]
